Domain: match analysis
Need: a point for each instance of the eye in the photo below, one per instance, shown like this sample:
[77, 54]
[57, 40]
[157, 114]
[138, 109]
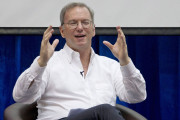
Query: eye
[73, 23]
[86, 22]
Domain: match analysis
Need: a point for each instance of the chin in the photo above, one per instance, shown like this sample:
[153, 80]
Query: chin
[82, 44]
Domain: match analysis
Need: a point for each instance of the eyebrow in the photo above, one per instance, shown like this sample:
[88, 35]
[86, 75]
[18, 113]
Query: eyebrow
[78, 20]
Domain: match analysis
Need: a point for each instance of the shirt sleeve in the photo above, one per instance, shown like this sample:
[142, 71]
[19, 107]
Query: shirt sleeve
[130, 85]
[25, 94]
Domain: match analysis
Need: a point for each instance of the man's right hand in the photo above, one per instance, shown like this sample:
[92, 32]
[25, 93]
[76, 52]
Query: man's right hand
[47, 49]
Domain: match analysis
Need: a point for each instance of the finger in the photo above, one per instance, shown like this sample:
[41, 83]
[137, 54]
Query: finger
[108, 44]
[123, 40]
[55, 43]
[120, 33]
[121, 36]
[47, 34]
[47, 38]
[48, 29]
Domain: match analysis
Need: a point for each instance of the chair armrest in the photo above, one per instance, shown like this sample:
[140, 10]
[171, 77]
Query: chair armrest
[129, 114]
[19, 111]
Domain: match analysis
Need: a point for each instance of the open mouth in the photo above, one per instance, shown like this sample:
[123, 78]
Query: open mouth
[80, 36]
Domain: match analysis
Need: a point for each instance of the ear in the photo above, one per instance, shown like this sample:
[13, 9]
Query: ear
[61, 30]
[94, 31]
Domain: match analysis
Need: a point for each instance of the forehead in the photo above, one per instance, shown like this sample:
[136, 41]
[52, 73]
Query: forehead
[77, 13]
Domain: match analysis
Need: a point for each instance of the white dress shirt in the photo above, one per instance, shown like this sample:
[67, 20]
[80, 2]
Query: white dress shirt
[61, 86]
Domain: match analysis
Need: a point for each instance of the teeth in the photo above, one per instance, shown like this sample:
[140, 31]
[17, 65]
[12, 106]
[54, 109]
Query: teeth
[80, 36]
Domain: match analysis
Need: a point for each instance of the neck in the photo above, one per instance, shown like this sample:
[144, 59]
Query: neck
[85, 56]
[85, 59]
[85, 53]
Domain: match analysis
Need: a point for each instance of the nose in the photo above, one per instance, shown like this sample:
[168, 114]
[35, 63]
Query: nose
[79, 26]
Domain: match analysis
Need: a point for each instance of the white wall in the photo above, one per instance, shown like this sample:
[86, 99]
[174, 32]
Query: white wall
[108, 13]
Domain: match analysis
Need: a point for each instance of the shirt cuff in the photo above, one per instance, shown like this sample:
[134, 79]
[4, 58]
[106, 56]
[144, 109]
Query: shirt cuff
[35, 70]
[128, 70]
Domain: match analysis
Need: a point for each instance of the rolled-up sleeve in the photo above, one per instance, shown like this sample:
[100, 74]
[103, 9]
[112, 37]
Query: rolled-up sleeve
[22, 92]
[130, 85]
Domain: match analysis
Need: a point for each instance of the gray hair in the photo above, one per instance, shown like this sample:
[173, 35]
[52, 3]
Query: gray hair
[72, 5]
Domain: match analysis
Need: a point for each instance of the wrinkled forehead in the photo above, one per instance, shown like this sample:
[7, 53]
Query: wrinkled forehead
[77, 13]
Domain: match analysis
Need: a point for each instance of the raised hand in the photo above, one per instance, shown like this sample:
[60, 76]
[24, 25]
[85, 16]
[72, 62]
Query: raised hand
[119, 49]
[47, 49]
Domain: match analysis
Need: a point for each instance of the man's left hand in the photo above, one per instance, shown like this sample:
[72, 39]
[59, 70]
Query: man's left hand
[119, 49]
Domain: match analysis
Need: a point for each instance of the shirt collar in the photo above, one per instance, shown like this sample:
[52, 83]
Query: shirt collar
[70, 53]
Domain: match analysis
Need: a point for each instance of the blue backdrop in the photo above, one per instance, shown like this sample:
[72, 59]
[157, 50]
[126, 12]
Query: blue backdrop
[157, 57]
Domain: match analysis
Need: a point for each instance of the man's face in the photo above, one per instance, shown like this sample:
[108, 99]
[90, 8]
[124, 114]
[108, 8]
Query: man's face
[77, 37]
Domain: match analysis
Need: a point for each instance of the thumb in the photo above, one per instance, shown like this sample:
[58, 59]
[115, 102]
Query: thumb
[108, 44]
[55, 43]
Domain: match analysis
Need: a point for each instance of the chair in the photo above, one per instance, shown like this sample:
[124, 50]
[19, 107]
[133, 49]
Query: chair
[18, 111]
[129, 114]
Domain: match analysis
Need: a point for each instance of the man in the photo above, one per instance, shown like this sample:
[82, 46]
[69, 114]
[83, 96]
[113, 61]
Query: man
[75, 83]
